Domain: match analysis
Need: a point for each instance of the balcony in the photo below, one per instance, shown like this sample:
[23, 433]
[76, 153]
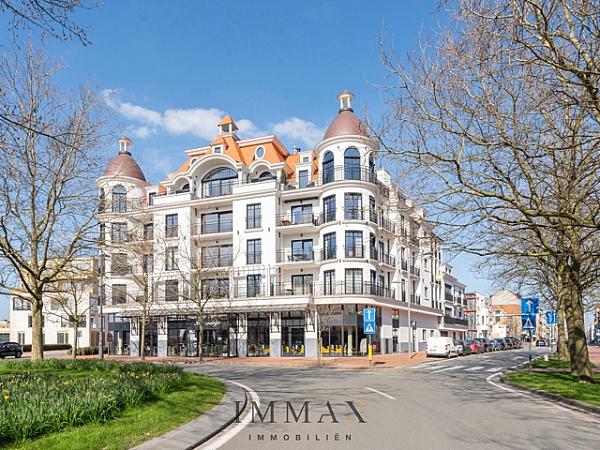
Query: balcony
[366, 288]
[416, 271]
[383, 258]
[447, 320]
[288, 288]
[303, 218]
[296, 255]
[415, 299]
[354, 251]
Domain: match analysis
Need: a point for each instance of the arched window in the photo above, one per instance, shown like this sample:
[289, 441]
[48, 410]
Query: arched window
[119, 199]
[351, 164]
[219, 182]
[328, 168]
[102, 201]
[266, 176]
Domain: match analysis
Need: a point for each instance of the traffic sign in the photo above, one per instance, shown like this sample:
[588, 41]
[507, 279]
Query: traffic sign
[529, 305]
[528, 322]
[369, 320]
[551, 317]
[109, 337]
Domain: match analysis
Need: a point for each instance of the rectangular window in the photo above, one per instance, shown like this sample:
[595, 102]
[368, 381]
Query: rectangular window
[353, 206]
[217, 256]
[215, 288]
[148, 263]
[102, 232]
[171, 290]
[62, 337]
[119, 294]
[329, 209]
[372, 210]
[329, 246]
[329, 279]
[172, 258]
[119, 232]
[354, 281]
[354, 246]
[171, 225]
[151, 198]
[149, 231]
[119, 264]
[302, 284]
[220, 222]
[302, 214]
[302, 250]
[21, 305]
[253, 288]
[302, 179]
[253, 216]
[254, 253]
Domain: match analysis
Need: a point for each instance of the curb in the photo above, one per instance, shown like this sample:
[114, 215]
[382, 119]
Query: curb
[204, 427]
[559, 399]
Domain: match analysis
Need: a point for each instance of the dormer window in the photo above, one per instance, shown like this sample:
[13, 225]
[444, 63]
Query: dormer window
[218, 149]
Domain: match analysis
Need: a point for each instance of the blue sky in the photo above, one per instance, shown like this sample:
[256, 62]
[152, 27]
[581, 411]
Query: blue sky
[276, 67]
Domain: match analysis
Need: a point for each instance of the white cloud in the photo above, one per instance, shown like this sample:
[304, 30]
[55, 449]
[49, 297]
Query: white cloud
[299, 130]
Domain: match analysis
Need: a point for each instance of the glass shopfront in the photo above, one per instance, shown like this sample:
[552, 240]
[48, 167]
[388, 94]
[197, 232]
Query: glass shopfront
[341, 329]
[258, 334]
[218, 336]
[292, 333]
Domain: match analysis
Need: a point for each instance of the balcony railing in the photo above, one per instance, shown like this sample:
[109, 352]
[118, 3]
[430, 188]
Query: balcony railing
[305, 217]
[225, 226]
[454, 321]
[285, 289]
[299, 255]
[416, 299]
[414, 270]
[384, 258]
[328, 253]
[354, 251]
[210, 262]
[365, 288]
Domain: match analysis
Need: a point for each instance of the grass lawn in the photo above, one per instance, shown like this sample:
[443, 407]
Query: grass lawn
[163, 411]
[561, 383]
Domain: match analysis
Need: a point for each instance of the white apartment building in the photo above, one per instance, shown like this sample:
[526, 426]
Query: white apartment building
[288, 247]
[74, 295]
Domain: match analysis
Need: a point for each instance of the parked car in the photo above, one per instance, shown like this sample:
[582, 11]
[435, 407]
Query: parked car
[441, 346]
[10, 349]
[517, 343]
[466, 347]
[476, 346]
[541, 343]
[485, 344]
[499, 344]
[509, 344]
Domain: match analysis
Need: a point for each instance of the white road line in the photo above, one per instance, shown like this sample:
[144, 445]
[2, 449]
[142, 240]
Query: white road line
[489, 380]
[240, 426]
[495, 369]
[473, 368]
[448, 368]
[379, 392]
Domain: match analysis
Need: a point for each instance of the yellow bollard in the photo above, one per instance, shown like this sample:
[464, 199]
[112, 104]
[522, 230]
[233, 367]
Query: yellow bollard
[370, 353]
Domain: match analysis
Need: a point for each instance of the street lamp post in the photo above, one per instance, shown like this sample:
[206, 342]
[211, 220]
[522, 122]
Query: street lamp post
[101, 300]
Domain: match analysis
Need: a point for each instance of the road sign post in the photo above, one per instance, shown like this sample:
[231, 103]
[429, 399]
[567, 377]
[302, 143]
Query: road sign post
[529, 309]
[369, 328]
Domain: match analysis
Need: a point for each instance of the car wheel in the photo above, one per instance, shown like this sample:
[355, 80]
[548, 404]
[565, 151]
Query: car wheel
[18, 355]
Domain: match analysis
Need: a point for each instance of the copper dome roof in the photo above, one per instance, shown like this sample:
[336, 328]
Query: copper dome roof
[346, 123]
[124, 166]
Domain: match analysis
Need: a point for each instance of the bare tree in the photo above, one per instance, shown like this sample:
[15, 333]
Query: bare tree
[47, 193]
[69, 297]
[52, 16]
[499, 116]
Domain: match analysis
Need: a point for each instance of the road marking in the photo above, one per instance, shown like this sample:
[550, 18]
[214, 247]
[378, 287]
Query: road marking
[379, 392]
[495, 369]
[448, 368]
[241, 425]
[473, 368]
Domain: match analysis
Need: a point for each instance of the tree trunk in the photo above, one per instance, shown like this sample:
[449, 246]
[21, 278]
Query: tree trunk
[580, 362]
[561, 342]
[74, 346]
[143, 337]
[37, 337]
[200, 335]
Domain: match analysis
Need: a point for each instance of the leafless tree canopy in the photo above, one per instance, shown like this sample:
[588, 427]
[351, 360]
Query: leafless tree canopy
[47, 190]
[52, 16]
[498, 117]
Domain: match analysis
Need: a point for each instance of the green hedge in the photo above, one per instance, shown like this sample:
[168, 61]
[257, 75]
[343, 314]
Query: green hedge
[48, 347]
[88, 350]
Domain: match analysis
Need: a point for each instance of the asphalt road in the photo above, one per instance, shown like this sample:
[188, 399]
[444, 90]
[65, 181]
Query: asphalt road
[445, 404]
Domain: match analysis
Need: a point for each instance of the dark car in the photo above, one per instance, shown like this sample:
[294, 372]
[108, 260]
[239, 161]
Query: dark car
[517, 343]
[499, 344]
[541, 343]
[466, 348]
[10, 349]
[509, 343]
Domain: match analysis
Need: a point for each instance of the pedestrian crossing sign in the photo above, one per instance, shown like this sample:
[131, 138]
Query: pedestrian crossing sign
[528, 321]
[369, 329]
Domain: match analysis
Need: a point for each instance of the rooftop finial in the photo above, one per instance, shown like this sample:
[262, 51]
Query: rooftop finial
[124, 144]
[345, 99]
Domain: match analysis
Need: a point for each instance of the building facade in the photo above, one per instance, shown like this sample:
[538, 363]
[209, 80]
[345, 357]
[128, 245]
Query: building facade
[72, 297]
[278, 253]
[478, 313]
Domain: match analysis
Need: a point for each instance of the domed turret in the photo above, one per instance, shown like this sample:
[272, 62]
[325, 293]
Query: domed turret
[124, 165]
[346, 122]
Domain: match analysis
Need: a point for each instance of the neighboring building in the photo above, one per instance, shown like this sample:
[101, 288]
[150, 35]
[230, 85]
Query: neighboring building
[289, 247]
[478, 312]
[453, 323]
[506, 314]
[4, 330]
[73, 295]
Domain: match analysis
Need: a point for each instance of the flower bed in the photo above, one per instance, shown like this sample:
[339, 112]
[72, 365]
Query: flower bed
[38, 398]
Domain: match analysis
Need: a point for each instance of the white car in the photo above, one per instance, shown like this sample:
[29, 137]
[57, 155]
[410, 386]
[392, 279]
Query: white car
[445, 347]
